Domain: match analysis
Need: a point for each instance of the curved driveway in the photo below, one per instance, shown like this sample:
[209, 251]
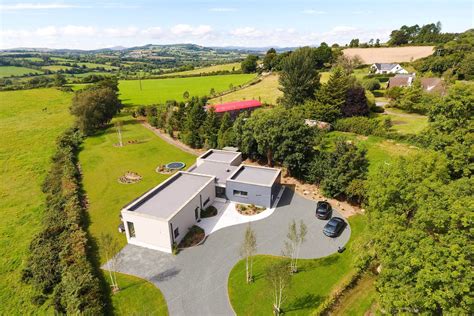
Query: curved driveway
[195, 281]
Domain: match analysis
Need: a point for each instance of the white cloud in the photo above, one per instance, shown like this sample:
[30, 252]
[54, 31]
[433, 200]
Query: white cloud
[222, 9]
[153, 32]
[314, 12]
[246, 32]
[36, 6]
[186, 29]
[73, 30]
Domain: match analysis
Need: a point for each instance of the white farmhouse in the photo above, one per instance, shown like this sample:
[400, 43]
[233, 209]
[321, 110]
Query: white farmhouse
[387, 68]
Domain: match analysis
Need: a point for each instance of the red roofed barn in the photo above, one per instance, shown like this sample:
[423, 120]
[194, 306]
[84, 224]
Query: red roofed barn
[235, 108]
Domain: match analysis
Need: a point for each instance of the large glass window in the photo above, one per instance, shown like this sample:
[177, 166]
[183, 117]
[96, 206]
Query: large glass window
[240, 193]
[131, 229]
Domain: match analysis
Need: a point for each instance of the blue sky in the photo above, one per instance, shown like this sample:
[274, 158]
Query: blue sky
[95, 24]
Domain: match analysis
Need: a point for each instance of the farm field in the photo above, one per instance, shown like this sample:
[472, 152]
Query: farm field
[315, 281]
[389, 54]
[9, 71]
[26, 146]
[94, 66]
[160, 90]
[103, 163]
[56, 67]
[203, 70]
[266, 91]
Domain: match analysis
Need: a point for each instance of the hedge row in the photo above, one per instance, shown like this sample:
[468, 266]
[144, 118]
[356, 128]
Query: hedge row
[58, 265]
[364, 126]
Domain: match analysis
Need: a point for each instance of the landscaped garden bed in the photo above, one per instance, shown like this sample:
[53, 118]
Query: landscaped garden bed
[209, 212]
[130, 177]
[249, 209]
[194, 236]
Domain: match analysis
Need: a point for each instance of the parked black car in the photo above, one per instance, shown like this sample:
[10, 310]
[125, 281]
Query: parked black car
[323, 210]
[334, 227]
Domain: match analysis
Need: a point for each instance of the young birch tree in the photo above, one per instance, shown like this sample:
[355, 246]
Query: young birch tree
[280, 280]
[247, 251]
[111, 252]
[296, 237]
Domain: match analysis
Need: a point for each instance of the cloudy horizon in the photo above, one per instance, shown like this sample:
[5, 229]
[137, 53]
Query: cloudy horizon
[92, 25]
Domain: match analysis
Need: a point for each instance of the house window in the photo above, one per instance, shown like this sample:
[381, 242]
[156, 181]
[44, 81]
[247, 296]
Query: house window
[206, 201]
[176, 232]
[240, 193]
[131, 229]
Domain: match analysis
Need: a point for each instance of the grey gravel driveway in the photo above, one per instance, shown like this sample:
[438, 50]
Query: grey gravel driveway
[194, 282]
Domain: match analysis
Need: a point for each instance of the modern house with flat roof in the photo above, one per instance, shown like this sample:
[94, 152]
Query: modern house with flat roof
[162, 216]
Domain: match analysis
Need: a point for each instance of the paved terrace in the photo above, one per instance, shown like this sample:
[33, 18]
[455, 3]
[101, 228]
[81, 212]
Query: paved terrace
[195, 281]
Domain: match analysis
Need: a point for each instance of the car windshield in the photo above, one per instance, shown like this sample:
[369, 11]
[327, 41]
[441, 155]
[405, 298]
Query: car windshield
[332, 223]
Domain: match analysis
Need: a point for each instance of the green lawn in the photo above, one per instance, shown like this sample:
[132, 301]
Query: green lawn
[358, 300]
[203, 70]
[103, 163]
[407, 123]
[138, 297]
[26, 145]
[316, 279]
[266, 91]
[160, 90]
[8, 71]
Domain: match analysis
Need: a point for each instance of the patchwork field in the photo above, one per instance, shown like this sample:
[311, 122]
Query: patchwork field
[56, 67]
[30, 121]
[204, 70]
[266, 91]
[9, 71]
[160, 90]
[389, 54]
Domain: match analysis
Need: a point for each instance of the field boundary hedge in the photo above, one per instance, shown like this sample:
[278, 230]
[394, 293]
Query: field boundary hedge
[59, 265]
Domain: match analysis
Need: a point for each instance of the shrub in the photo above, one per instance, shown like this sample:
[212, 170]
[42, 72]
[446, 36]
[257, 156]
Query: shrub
[209, 212]
[364, 125]
[59, 261]
[371, 84]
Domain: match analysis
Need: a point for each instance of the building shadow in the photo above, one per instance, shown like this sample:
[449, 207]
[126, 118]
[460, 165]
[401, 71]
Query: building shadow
[287, 196]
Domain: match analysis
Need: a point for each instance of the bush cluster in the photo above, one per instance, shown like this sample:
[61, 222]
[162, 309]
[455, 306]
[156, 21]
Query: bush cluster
[364, 126]
[58, 264]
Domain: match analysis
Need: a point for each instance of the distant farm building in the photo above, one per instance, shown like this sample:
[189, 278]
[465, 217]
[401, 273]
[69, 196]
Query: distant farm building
[401, 80]
[235, 108]
[387, 68]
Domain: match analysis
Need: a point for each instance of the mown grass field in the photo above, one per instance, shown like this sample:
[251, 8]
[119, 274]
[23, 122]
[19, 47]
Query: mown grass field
[204, 70]
[389, 54]
[160, 90]
[26, 146]
[266, 91]
[103, 163]
[316, 279]
[8, 71]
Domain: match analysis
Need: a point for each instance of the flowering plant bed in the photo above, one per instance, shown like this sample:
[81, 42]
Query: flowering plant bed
[251, 209]
[194, 236]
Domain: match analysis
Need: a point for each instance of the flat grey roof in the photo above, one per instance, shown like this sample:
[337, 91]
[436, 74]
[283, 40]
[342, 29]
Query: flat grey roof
[220, 155]
[221, 171]
[256, 175]
[168, 197]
